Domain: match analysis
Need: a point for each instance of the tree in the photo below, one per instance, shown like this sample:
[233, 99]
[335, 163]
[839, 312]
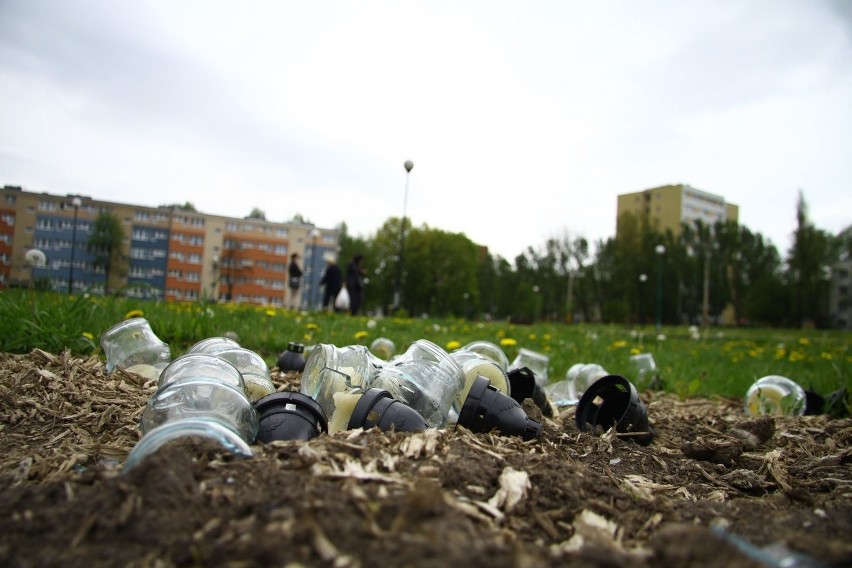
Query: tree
[105, 240]
[257, 213]
[809, 263]
[187, 206]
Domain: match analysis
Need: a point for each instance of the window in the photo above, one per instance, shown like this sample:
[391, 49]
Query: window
[281, 232]
[280, 250]
[193, 277]
[10, 199]
[160, 235]
[141, 215]
[158, 253]
[44, 225]
[197, 222]
[8, 219]
[231, 227]
[196, 241]
[194, 258]
[45, 205]
[177, 237]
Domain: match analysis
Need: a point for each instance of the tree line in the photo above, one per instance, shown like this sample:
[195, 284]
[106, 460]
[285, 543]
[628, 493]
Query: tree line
[704, 274]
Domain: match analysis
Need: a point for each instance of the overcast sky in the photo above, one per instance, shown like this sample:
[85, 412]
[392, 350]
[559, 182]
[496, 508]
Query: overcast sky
[524, 119]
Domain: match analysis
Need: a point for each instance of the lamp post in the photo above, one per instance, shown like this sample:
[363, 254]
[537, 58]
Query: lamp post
[312, 297]
[660, 250]
[76, 202]
[642, 279]
[397, 293]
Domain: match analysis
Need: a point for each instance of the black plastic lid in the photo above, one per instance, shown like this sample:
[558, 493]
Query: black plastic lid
[277, 401]
[377, 407]
[296, 347]
[486, 409]
[521, 383]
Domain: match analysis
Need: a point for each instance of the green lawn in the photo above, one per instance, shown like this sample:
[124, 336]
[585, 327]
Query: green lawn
[723, 361]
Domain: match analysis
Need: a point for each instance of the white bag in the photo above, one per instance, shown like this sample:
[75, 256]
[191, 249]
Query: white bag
[342, 300]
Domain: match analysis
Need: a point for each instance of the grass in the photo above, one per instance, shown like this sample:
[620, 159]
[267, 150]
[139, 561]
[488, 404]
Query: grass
[722, 361]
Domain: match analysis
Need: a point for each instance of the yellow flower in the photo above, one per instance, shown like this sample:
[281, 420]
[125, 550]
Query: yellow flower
[134, 314]
[827, 356]
[501, 333]
[270, 312]
[619, 344]
[508, 342]
[452, 345]
[531, 337]
[796, 356]
[314, 326]
[635, 351]
[361, 334]
[804, 341]
[546, 337]
[88, 335]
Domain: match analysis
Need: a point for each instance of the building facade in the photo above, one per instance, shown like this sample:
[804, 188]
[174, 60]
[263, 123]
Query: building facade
[840, 296]
[668, 206]
[166, 253]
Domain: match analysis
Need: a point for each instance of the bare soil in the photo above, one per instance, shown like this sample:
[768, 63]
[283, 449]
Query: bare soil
[712, 489]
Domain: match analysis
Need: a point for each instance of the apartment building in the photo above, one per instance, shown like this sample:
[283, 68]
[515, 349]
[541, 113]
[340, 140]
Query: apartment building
[167, 253]
[668, 206]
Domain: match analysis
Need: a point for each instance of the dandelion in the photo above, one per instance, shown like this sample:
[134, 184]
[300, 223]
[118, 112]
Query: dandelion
[635, 351]
[270, 312]
[780, 353]
[619, 344]
[314, 326]
[88, 336]
[361, 335]
[827, 356]
[546, 337]
[804, 341]
[508, 342]
[797, 356]
[134, 314]
[501, 333]
[532, 337]
[452, 345]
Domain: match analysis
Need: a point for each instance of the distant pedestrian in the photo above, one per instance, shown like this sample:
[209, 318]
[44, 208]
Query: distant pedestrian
[294, 281]
[332, 279]
[355, 283]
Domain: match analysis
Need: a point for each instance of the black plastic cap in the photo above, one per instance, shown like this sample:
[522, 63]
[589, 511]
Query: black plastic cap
[613, 400]
[486, 409]
[377, 407]
[293, 359]
[289, 416]
[521, 383]
[814, 403]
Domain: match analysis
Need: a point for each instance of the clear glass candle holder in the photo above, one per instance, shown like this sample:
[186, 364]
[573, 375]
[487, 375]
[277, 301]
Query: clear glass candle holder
[425, 378]
[207, 428]
[212, 345]
[775, 395]
[534, 361]
[132, 345]
[258, 379]
[330, 369]
[383, 348]
[475, 365]
[202, 398]
[491, 351]
[201, 365]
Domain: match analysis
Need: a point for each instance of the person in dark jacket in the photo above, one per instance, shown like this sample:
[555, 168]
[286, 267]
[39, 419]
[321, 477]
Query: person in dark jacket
[355, 283]
[332, 279]
[294, 281]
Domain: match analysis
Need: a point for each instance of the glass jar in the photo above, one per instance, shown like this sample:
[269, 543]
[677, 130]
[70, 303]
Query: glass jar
[535, 362]
[213, 344]
[132, 345]
[475, 365]
[775, 395]
[425, 378]
[293, 359]
[330, 369]
[258, 379]
[490, 351]
[383, 348]
[195, 365]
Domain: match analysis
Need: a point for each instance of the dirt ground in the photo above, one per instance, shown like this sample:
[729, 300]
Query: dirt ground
[712, 489]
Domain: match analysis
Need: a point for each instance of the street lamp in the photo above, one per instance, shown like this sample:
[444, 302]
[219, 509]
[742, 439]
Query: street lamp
[76, 202]
[660, 250]
[643, 278]
[313, 281]
[397, 293]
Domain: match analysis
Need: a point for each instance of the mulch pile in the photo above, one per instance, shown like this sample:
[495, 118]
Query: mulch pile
[714, 488]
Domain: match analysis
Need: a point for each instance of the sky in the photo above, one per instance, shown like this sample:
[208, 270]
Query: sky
[524, 120]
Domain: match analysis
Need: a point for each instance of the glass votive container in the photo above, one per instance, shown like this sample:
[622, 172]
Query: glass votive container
[490, 351]
[258, 379]
[383, 348]
[644, 367]
[535, 362]
[132, 345]
[201, 398]
[775, 395]
[330, 369]
[475, 365]
[201, 365]
[425, 378]
[213, 344]
[208, 428]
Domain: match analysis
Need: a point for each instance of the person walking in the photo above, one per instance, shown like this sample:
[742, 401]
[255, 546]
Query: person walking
[355, 283]
[332, 279]
[294, 281]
